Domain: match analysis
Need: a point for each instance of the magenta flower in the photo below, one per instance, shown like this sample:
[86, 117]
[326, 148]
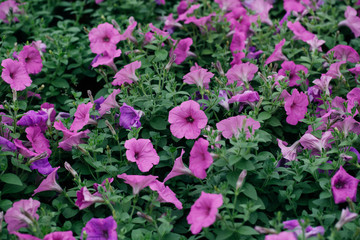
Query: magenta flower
[70, 138]
[296, 5]
[137, 182]
[187, 120]
[127, 74]
[228, 5]
[200, 77]
[182, 50]
[31, 59]
[200, 158]
[315, 44]
[237, 57]
[247, 97]
[293, 69]
[183, 16]
[165, 194]
[39, 45]
[129, 117]
[142, 152]
[238, 42]
[203, 212]
[345, 53]
[296, 107]
[352, 21]
[309, 141]
[355, 70]
[109, 103]
[23, 236]
[6, 145]
[289, 153]
[50, 110]
[343, 186]
[107, 59]
[15, 74]
[82, 116]
[68, 235]
[323, 83]
[232, 126]
[346, 216]
[334, 70]
[242, 73]
[277, 55]
[49, 183]
[86, 199]
[179, 168]
[15, 217]
[281, 236]
[300, 32]
[32, 118]
[129, 30]
[100, 229]
[6, 7]
[103, 38]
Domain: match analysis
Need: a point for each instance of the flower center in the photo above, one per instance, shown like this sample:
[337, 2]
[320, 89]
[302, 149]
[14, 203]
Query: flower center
[136, 156]
[106, 39]
[27, 59]
[340, 184]
[189, 119]
[105, 234]
[11, 75]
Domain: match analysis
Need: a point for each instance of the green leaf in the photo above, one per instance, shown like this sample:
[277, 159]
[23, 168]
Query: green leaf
[159, 123]
[274, 122]
[161, 55]
[11, 179]
[250, 191]
[60, 83]
[69, 212]
[264, 116]
[246, 230]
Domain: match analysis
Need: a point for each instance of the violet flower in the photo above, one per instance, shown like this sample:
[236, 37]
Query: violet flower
[49, 183]
[129, 117]
[179, 168]
[343, 186]
[100, 229]
[352, 21]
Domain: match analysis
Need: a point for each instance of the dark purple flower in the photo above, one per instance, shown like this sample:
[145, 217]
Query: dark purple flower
[129, 117]
[6, 145]
[32, 118]
[43, 166]
[100, 229]
[98, 102]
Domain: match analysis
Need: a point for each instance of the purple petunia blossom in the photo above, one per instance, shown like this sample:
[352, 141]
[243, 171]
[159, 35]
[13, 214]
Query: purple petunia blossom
[6, 145]
[343, 186]
[49, 183]
[100, 229]
[296, 107]
[129, 117]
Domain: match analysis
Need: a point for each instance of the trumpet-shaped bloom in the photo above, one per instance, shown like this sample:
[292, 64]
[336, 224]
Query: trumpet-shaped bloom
[277, 55]
[345, 53]
[241, 73]
[142, 152]
[127, 74]
[32, 118]
[200, 77]
[309, 141]
[86, 199]
[49, 183]
[343, 185]
[23, 236]
[293, 69]
[300, 32]
[129, 117]
[238, 42]
[179, 168]
[109, 103]
[334, 70]
[289, 153]
[346, 216]
[6, 7]
[355, 70]
[203, 212]
[100, 229]
[103, 38]
[129, 30]
[82, 116]
[200, 158]
[137, 182]
[247, 96]
[323, 83]
[182, 50]
[315, 44]
[296, 5]
[232, 126]
[281, 236]
[68, 235]
[296, 107]
[70, 138]
[31, 59]
[106, 58]
[187, 120]
[15, 74]
[16, 219]
[6, 145]
[165, 194]
[352, 21]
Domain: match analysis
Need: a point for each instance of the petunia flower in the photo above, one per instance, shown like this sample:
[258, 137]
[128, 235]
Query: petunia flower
[39, 45]
[70, 138]
[228, 5]
[203, 23]
[355, 70]
[23, 236]
[352, 21]
[165, 194]
[187, 120]
[170, 23]
[261, 9]
[103, 38]
[203, 212]
[68, 235]
[277, 55]
[200, 76]
[232, 126]
[353, 99]
[127, 74]
[32, 118]
[289, 153]
[6, 7]
[142, 152]
[183, 16]
[31, 59]
[346, 216]
[345, 53]
[300, 32]
[182, 50]
[109, 103]
[6, 145]
[129, 117]
[137, 182]
[179, 168]
[334, 70]
[315, 44]
[323, 83]
[86, 199]
[107, 59]
[100, 228]
[50, 110]
[296, 107]
[49, 183]
[242, 73]
[82, 116]
[248, 96]
[129, 30]
[293, 69]
[309, 141]
[224, 102]
[15, 74]
[200, 158]
[281, 236]
[237, 58]
[18, 215]
[343, 186]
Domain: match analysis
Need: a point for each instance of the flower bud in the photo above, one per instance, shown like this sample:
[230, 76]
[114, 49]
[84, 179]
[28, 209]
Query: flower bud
[170, 63]
[112, 130]
[146, 217]
[38, 157]
[70, 169]
[263, 230]
[346, 216]
[240, 181]
[90, 96]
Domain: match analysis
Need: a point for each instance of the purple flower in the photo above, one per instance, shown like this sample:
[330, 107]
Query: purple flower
[49, 183]
[129, 117]
[346, 216]
[86, 199]
[98, 102]
[32, 118]
[100, 229]
[343, 186]
[6, 145]
[68, 235]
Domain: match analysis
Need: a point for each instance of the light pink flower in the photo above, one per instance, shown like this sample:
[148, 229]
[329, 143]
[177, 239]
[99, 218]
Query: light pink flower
[261, 8]
[109, 103]
[137, 182]
[183, 16]
[277, 55]
[142, 152]
[233, 126]
[315, 44]
[70, 138]
[323, 83]
[345, 53]
[171, 23]
[200, 77]
[38, 141]
[300, 32]
[6, 7]
[296, 5]
[15, 74]
[16, 219]
[343, 185]
[86, 199]
[296, 107]
[128, 32]
[200, 158]
[179, 168]
[203, 212]
[241, 73]
[49, 183]
[103, 38]
[334, 70]
[187, 120]
[107, 59]
[290, 66]
[309, 141]
[349, 124]
[39, 45]
[346, 216]
[68, 235]
[182, 50]
[352, 21]
[31, 59]
[165, 194]
[82, 116]
[127, 74]
[281, 236]
[247, 97]
[289, 153]
[228, 5]
[353, 98]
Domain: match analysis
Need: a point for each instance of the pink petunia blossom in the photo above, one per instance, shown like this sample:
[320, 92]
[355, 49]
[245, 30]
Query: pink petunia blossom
[165, 194]
[289, 153]
[82, 116]
[68, 235]
[247, 97]
[296, 5]
[293, 69]
[171, 23]
[109, 103]
[277, 55]
[15, 74]
[296, 107]
[107, 59]
[355, 70]
[346, 216]
[183, 16]
[203, 212]
[142, 152]
[309, 141]
[224, 102]
[200, 76]
[137, 182]
[232, 126]
[6, 7]
[228, 5]
[353, 99]
[71, 138]
[300, 32]
[179, 168]
[238, 42]
[242, 73]
[39, 45]
[281, 236]
[323, 83]
[49, 183]
[187, 120]
[103, 38]
[203, 23]
[200, 158]
[345, 53]
[334, 70]
[15, 217]
[23, 236]
[352, 21]
[315, 44]
[261, 9]
[86, 199]
[343, 185]
[127, 74]
[129, 30]
[182, 50]
[31, 59]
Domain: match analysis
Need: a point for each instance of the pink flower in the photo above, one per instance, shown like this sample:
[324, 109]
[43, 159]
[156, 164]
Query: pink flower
[300, 32]
[129, 30]
[238, 42]
[31, 59]
[14, 73]
[293, 69]
[187, 120]
[178, 168]
[106, 58]
[137, 182]
[39, 45]
[82, 116]
[183, 16]
[200, 158]
[203, 212]
[289, 153]
[103, 38]
[15, 217]
[315, 44]
[353, 98]
[334, 70]
[86, 199]
[23, 236]
[204, 23]
[352, 21]
[277, 55]
[346, 216]
[343, 186]
[281, 236]
[182, 50]
[247, 97]
[127, 74]
[70, 138]
[49, 183]
[323, 83]
[355, 70]
[68, 235]
[109, 103]
[241, 73]
[228, 5]
[142, 152]
[200, 77]
[38, 141]
[309, 141]
[237, 57]
[296, 5]
[232, 126]
[345, 53]
[296, 107]
[165, 194]
[6, 7]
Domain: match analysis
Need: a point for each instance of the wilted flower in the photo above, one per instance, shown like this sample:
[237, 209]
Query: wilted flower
[142, 152]
[127, 74]
[289, 153]
[241, 179]
[343, 186]
[179, 168]
[346, 216]
[129, 117]
[86, 199]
